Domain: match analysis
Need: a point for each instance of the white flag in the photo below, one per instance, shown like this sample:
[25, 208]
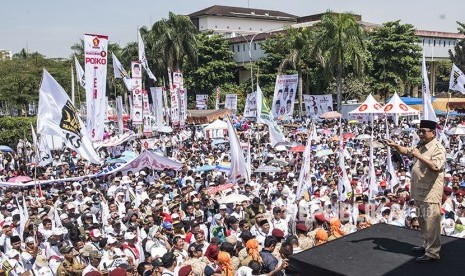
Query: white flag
[428, 110]
[391, 173]
[238, 165]
[217, 103]
[304, 176]
[343, 185]
[79, 73]
[118, 68]
[143, 58]
[373, 186]
[58, 116]
[457, 80]
[45, 156]
[264, 116]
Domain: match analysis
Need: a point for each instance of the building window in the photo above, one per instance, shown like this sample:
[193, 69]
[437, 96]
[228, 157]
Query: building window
[449, 42]
[444, 43]
[250, 28]
[434, 43]
[255, 46]
[429, 42]
[239, 28]
[238, 49]
[243, 47]
[227, 27]
[216, 27]
[232, 48]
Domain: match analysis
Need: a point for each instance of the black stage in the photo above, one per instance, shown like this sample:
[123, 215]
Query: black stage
[380, 250]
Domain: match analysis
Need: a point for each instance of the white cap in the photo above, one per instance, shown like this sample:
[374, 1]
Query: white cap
[174, 216]
[95, 233]
[143, 173]
[223, 206]
[129, 236]
[63, 216]
[111, 240]
[12, 253]
[57, 231]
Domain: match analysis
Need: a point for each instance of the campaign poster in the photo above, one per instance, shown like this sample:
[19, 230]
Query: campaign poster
[201, 101]
[250, 108]
[284, 96]
[315, 105]
[231, 102]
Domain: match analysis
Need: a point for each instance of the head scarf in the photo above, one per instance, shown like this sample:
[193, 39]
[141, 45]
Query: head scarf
[225, 261]
[252, 249]
[321, 236]
[335, 226]
[212, 252]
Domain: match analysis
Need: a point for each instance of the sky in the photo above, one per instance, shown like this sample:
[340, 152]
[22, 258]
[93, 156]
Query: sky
[51, 27]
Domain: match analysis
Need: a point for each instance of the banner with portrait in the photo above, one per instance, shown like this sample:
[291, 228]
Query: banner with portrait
[182, 107]
[147, 120]
[201, 101]
[231, 102]
[250, 108]
[95, 57]
[174, 97]
[284, 96]
[315, 105]
[157, 105]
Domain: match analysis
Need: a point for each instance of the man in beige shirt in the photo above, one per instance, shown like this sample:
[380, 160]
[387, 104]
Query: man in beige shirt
[427, 187]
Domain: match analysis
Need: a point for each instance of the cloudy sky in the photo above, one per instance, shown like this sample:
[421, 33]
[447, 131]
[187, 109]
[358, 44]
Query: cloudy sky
[52, 26]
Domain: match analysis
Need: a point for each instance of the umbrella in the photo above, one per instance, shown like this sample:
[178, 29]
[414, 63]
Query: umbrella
[457, 131]
[335, 138]
[115, 160]
[353, 122]
[324, 152]
[218, 141]
[205, 168]
[326, 131]
[280, 148]
[348, 135]
[330, 115]
[232, 198]
[5, 148]
[278, 162]
[19, 179]
[363, 137]
[300, 148]
[164, 129]
[268, 169]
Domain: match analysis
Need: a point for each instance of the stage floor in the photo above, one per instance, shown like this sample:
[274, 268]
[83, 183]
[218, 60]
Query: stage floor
[380, 250]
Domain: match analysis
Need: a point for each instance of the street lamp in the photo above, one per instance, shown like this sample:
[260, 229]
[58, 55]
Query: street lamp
[250, 53]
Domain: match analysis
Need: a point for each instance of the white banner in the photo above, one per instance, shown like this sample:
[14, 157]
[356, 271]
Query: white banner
[174, 86]
[264, 117]
[284, 96]
[182, 107]
[201, 101]
[217, 103]
[57, 116]
[457, 80]
[157, 104]
[230, 102]
[119, 111]
[95, 54]
[149, 144]
[315, 105]
[165, 105]
[137, 102]
[79, 73]
[250, 109]
[147, 126]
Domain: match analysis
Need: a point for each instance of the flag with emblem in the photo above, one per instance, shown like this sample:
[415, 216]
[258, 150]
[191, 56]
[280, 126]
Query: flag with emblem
[391, 176]
[457, 80]
[58, 116]
[143, 58]
[264, 116]
[79, 73]
[343, 185]
[304, 176]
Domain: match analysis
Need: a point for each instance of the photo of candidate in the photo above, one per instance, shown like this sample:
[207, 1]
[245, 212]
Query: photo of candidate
[286, 92]
[291, 94]
[288, 106]
[136, 70]
[137, 116]
[277, 106]
[280, 94]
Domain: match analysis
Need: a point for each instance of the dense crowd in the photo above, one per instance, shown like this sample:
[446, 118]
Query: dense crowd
[178, 222]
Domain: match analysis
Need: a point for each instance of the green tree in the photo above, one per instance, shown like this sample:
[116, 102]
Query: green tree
[340, 41]
[458, 58]
[14, 128]
[399, 71]
[215, 65]
[354, 87]
[170, 41]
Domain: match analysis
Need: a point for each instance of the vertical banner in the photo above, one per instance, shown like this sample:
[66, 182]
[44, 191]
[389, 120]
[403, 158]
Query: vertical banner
[165, 105]
[250, 108]
[95, 55]
[174, 99]
[182, 107]
[315, 105]
[217, 104]
[201, 101]
[137, 107]
[157, 104]
[230, 102]
[119, 111]
[284, 96]
[147, 129]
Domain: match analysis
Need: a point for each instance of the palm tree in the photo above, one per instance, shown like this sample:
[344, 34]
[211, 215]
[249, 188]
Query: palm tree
[78, 49]
[340, 42]
[299, 43]
[170, 41]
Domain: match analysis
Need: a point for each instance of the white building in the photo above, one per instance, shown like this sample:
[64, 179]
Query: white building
[6, 54]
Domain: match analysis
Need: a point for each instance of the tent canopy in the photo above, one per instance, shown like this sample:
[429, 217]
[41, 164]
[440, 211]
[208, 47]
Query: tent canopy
[217, 125]
[397, 106]
[198, 117]
[369, 106]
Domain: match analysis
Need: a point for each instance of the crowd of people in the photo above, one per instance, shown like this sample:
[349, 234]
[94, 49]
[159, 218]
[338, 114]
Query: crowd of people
[177, 223]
